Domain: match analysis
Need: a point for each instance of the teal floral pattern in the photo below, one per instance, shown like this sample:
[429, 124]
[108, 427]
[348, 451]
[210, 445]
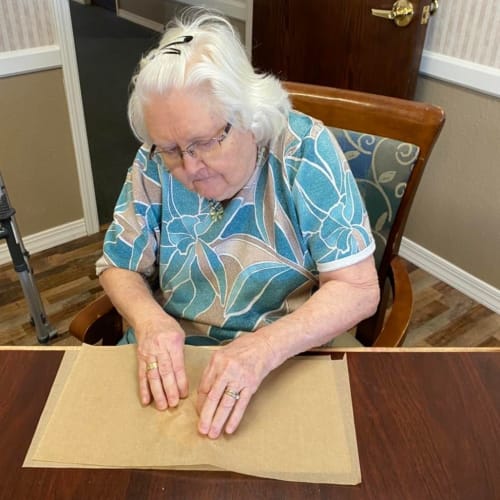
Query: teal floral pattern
[300, 214]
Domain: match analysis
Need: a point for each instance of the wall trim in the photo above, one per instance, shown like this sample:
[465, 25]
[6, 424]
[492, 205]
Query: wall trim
[17, 62]
[485, 79]
[64, 30]
[48, 238]
[141, 21]
[469, 285]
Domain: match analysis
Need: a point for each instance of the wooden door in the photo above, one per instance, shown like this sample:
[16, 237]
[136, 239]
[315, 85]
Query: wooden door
[340, 43]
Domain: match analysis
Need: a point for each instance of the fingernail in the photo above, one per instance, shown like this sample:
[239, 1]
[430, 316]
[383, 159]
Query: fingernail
[213, 434]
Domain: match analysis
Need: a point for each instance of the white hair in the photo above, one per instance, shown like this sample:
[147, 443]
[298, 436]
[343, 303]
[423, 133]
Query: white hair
[214, 56]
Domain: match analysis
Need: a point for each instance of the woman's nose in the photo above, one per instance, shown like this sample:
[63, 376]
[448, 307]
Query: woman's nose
[191, 164]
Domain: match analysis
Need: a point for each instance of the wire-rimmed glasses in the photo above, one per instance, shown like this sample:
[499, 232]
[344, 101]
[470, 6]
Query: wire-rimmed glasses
[202, 150]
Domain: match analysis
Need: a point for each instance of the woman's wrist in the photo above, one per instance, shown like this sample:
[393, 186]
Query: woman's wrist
[288, 336]
[156, 323]
[276, 351]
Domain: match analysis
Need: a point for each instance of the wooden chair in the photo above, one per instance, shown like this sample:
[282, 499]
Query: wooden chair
[387, 142]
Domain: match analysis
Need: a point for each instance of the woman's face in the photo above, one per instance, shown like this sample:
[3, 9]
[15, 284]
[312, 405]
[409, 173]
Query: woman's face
[183, 117]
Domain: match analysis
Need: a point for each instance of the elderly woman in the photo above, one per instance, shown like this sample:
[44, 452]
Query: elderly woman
[245, 216]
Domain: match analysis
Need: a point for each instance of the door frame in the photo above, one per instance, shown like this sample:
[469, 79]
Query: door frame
[64, 33]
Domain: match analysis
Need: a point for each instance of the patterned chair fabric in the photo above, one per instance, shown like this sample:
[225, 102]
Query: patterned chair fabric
[381, 167]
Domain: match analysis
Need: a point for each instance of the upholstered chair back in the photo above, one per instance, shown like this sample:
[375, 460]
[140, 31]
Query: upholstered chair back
[382, 167]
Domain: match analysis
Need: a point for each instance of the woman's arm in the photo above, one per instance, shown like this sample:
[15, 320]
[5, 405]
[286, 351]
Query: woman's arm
[160, 338]
[345, 297]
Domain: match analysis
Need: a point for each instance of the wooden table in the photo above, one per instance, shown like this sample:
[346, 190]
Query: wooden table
[428, 427]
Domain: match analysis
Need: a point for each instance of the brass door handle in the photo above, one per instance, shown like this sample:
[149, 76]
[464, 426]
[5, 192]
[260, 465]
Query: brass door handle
[402, 13]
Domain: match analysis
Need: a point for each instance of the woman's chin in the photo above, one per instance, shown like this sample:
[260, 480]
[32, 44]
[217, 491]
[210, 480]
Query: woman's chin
[210, 190]
[209, 194]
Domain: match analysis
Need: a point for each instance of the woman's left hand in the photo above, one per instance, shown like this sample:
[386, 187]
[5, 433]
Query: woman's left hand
[230, 379]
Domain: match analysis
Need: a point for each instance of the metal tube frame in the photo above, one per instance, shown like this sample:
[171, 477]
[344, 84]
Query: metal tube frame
[20, 258]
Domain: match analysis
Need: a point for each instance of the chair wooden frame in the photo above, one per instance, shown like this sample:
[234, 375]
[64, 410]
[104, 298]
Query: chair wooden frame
[409, 121]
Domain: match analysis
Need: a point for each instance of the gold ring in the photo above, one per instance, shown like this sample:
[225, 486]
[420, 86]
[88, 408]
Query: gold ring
[232, 394]
[151, 366]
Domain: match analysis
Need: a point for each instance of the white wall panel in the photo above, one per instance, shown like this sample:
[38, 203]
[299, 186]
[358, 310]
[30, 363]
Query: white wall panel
[468, 30]
[25, 24]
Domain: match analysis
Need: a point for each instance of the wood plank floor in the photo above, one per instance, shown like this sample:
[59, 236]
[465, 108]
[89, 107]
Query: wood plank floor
[65, 276]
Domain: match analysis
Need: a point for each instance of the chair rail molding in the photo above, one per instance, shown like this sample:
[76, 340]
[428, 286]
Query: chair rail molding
[485, 79]
[18, 62]
[64, 31]
[466, 283]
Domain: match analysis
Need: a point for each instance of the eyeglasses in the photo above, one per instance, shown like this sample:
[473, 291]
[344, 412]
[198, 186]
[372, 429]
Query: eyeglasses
[202, 150]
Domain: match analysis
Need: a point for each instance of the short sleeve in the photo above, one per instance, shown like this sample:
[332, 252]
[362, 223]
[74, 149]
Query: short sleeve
[132, 239]
[332, 216]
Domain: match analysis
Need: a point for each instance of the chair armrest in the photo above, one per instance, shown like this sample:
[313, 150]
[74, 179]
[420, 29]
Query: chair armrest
[398, 318]
[97, 321]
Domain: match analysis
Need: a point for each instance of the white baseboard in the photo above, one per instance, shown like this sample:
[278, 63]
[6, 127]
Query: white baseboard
[48, 238]
[17, 62]
[469, 285]
[141, 21]
[467, 74]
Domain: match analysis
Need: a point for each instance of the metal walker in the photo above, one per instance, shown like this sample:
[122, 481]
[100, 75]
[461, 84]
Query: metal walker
[20, 258]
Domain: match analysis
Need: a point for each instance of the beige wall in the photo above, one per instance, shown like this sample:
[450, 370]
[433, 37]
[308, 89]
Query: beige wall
[37, 160]
[456, 213]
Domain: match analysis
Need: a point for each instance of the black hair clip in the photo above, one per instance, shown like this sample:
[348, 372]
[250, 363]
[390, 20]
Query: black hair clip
[168, 49]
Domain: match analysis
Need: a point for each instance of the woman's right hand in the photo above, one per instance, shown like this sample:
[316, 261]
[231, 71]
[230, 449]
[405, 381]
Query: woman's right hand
[160, 338]
[160, 360]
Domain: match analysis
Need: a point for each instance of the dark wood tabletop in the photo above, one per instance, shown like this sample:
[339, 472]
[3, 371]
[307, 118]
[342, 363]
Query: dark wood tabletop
[427, 423]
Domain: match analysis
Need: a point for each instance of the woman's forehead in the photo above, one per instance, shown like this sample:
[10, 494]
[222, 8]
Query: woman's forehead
[182, 115]
[185, 100]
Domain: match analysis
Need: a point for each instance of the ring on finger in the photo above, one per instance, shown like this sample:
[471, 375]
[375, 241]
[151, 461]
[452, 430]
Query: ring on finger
[152, 366]
[232, 394]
